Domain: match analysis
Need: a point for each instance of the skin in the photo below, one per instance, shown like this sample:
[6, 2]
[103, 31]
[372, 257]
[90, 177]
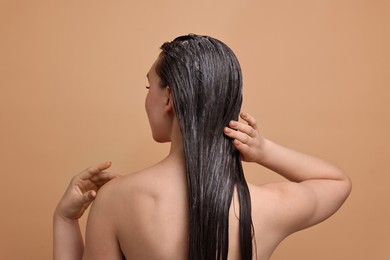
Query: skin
[82, 190]
[144, 215]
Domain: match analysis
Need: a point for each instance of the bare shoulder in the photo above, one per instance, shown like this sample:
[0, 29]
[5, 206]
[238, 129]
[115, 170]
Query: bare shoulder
[120, 214]
[130, 189]
[140, 190]
[143, 207]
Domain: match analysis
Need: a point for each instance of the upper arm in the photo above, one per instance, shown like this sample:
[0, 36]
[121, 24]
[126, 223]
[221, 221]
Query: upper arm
[300, 205]
[101, 239]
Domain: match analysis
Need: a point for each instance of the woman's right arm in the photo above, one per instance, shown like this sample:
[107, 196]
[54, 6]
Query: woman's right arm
[82, 190]
[316, 189]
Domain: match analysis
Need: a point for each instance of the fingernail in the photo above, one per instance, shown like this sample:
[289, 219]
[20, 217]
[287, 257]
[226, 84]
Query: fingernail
[227, 130]
[232, 123]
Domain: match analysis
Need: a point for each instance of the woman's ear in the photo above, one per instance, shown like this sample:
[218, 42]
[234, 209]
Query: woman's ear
[168, 100]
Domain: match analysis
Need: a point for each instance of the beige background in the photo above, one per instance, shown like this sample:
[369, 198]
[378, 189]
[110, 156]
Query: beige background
[72, 77]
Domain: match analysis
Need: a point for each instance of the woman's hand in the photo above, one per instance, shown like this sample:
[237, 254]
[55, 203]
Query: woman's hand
[246, 138]
[82, 190]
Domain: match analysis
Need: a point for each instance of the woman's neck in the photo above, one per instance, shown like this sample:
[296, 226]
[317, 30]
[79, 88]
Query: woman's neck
[176, 151]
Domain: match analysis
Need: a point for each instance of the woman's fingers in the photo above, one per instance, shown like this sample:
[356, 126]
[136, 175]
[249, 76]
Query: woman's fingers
[101, 180]
[249, 119]
[91, 171]
[103, 176]
[244, 132]
[94, 177]
[244, 128]
[237, 135]
[88, 196]
[241, 147]
[246, 138]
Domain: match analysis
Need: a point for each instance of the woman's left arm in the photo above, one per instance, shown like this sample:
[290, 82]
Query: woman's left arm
[82, 190]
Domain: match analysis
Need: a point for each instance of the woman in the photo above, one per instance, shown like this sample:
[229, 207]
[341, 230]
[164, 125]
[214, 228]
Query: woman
[196, 204]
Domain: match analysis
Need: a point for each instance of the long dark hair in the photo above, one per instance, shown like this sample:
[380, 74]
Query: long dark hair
[206, 83]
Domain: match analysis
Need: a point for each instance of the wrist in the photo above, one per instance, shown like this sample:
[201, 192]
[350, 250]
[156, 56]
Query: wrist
[264, 147]
[58, 217]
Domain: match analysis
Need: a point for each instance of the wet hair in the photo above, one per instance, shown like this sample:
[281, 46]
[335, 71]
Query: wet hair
[206, 85]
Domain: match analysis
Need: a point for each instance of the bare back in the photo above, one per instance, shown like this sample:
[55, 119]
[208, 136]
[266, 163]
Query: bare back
[148, 215]
[157, 213]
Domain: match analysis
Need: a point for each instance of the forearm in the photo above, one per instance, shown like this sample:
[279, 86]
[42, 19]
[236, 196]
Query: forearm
[67, 241]
[296, 166]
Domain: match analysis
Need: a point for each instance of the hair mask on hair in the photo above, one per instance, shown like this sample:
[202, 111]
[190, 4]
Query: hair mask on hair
[206, 82]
